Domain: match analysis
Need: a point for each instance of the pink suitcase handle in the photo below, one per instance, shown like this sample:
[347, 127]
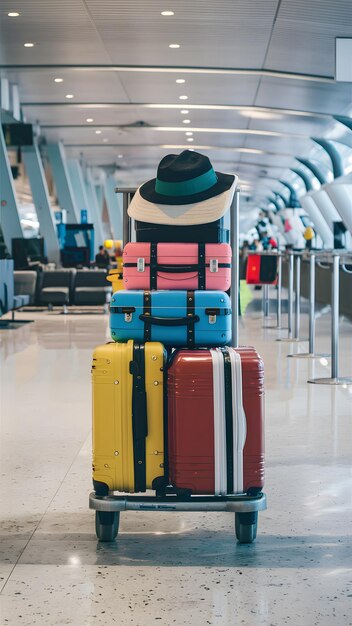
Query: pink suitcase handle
[175, 269]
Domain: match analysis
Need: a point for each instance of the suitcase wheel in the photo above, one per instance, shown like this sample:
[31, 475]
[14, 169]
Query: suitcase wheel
[107, 525]
[246, 525]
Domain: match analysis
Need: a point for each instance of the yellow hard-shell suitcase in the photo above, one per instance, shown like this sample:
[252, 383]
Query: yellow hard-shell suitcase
[128, 417]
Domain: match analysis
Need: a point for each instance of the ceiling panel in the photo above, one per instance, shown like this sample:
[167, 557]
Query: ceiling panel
[304, 34]
[216, 32]
[265, 160]
[131, 114]
[286, 145]
[62, 32]
[200, 88]
[87, 86]
[140, 136]
[291, 124]
[303, 95]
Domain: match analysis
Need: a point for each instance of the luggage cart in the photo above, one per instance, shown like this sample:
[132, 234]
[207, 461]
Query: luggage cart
[246, 507]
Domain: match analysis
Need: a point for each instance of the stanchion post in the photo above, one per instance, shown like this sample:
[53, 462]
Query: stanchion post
[266, 300]
[291, 264]
[279, 294]
[298, 297]
[235, 282]
[311, 303]
[290, 293]
[310, 354]
[335, 309]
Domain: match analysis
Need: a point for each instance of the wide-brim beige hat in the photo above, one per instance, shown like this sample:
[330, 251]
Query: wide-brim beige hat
[187, 191]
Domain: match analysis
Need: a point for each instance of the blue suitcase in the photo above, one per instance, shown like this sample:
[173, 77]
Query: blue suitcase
[175, 318]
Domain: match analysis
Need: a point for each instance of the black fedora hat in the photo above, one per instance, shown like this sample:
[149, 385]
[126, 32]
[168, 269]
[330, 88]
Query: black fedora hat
[187, 190]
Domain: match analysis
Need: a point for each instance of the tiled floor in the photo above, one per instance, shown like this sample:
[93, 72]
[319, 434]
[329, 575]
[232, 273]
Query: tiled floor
[170, 568]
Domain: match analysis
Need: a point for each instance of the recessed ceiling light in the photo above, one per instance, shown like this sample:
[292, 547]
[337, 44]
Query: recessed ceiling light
[98, 132]
[13, 14]
[180, 81]
[89, 120]
[69, 96]
[174, 45]
[261, 115]
[184, 111]
[167, 13]
[183, 97]
[58, 80]
[189, 133]
[28, 45]
[120, 156]
[186, 121]
[190, 139]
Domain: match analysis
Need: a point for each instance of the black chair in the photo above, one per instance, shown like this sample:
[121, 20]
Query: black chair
[56, 288]
[91, 288]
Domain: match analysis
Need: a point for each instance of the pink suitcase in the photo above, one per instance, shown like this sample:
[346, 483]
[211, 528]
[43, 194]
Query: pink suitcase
[177, 266]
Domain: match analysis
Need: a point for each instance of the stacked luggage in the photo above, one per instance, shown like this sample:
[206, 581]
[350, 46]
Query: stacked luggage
[175, 409]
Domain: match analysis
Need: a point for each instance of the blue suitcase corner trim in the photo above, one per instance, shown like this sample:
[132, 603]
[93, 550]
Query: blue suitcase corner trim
[175, 318]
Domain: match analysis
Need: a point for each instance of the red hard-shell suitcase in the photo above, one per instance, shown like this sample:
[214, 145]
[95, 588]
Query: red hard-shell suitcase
[261, 269]
[216, 421]
[177, 266]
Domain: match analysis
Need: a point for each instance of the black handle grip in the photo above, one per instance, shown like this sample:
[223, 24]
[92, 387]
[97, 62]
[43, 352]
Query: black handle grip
[176, 269]
[169, 321]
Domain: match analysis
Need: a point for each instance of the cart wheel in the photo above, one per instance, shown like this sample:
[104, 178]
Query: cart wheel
[246, 526]
[106, 525]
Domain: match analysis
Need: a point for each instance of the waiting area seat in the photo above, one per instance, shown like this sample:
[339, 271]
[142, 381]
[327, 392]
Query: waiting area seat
[13, 295]
[91, 288]
[25, 286]
[59, 287]
[56, 287]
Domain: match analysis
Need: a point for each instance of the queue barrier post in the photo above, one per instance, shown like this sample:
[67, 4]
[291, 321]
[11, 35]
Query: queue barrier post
[311, 351]
[334, 378]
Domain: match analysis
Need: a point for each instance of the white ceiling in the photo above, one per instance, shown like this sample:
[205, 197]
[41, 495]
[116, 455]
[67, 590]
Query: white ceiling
[257, 54]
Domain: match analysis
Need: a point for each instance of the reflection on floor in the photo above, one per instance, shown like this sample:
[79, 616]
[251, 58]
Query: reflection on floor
[171, 568]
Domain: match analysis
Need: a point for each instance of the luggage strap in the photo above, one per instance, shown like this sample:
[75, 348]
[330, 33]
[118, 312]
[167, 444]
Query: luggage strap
[240, 424]
[188, 321]
[146, 315]
[191, 316]
[155, 267]
[229, 421]
[139, 416]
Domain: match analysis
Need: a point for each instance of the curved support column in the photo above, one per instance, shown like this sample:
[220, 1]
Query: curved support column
[293, 202]
[336, 160]
[314, 169]
[319, 223]
[307, 182]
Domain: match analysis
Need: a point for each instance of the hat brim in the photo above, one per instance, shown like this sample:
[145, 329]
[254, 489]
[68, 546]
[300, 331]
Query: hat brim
[202, 211]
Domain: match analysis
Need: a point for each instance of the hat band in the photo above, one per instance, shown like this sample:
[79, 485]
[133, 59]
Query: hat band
[187, 187]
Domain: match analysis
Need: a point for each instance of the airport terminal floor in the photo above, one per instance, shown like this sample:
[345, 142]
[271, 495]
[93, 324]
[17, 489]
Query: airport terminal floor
[171, 568]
